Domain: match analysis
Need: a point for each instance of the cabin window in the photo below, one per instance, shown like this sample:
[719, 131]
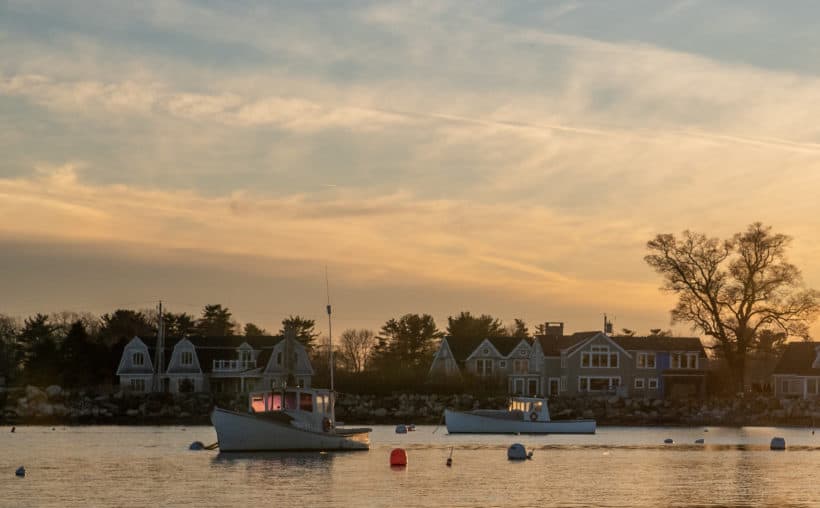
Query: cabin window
[274, 402]
[290, 400]
[138, 359]
[639, 383]
[138, 385]
[187, 358]
[257, 404]
[653, 383]
[646, 360]
[306, 402]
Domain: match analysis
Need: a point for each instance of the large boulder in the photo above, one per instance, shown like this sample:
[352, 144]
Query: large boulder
[54, 391]
[34, 393]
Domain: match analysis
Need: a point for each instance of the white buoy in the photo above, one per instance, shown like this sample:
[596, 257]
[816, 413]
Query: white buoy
[21, 471]
[668, 440]
[778, 443]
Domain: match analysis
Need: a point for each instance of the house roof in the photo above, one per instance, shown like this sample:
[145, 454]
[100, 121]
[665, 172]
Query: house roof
[552, 345]
[656, 343]
[505, 345]
[463, 347]
[798, 358]
[209, 349]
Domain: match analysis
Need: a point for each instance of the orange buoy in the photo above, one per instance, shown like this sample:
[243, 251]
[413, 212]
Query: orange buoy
[398, 457]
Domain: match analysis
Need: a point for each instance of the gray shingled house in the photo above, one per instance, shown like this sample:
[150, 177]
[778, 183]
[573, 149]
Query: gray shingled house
[797, 374]
[584, 363]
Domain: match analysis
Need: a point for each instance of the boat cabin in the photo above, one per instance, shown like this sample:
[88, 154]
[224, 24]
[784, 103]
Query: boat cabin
[530, 408]
[306, 401]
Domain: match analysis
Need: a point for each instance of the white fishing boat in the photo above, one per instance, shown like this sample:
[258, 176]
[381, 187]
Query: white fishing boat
[524, 415]
[291, 419]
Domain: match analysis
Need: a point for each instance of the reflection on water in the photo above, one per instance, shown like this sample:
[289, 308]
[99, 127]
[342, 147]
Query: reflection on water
[138, 466]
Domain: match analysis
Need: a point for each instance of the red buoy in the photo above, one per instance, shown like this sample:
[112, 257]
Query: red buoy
[398, 457]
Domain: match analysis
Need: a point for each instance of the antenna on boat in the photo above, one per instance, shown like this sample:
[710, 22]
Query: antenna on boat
[329, 329]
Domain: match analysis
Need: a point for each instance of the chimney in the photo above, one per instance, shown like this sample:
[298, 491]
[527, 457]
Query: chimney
[554, 329]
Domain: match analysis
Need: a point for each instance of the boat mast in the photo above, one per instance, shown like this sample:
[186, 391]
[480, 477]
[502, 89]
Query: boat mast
[329, 330]
[159, 354]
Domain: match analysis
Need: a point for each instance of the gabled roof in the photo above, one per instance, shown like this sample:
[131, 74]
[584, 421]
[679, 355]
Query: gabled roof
[505, 345]
[798, 358]
[552, 345]
[463, 347]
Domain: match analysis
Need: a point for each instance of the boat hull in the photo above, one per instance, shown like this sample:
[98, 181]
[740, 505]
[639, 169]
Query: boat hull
[466, 423]
[244, 432]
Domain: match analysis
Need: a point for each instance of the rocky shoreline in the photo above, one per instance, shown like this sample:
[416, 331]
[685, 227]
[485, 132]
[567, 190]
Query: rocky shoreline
[55, 406]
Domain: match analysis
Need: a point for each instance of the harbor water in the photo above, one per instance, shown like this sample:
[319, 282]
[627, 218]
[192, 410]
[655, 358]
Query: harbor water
[618, 466]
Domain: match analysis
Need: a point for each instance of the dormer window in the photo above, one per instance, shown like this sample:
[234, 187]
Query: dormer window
[485, 351]
[245, 355]
[186, 358]
[138, 359]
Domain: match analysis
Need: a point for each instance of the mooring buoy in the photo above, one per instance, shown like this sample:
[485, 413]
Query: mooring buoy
[398, 457]
[778, 443]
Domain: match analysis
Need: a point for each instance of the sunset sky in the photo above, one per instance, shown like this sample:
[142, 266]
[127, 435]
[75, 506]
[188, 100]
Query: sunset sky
[509, 158]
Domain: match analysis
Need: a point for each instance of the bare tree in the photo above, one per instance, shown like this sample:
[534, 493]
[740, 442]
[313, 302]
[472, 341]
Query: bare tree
[731, 290]
[356, 347]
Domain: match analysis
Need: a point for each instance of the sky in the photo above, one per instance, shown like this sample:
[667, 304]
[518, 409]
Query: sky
[508, 158]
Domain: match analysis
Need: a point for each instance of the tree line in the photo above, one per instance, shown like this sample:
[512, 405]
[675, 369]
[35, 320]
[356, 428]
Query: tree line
[741, 293]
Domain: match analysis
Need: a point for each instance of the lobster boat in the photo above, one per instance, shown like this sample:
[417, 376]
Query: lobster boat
[523, 415]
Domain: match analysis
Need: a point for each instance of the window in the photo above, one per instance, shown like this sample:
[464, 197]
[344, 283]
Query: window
[138, 359]
[599, 357]
[532, 387]
[653, 383]
[138, 385]
[485, 351]
[306, 402]
[598, 384]
[519, 387]
[812, 386]
[683, 361]
[692, 361]
[187, 358]
[793, 386]
[521, 366]
[502, 364]
[646, 360]
[563, 383]
[245, 356]
[185, 385]
[639, 383]
[484, 367]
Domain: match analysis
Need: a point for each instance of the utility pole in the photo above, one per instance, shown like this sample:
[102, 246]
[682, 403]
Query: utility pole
[159, 354]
